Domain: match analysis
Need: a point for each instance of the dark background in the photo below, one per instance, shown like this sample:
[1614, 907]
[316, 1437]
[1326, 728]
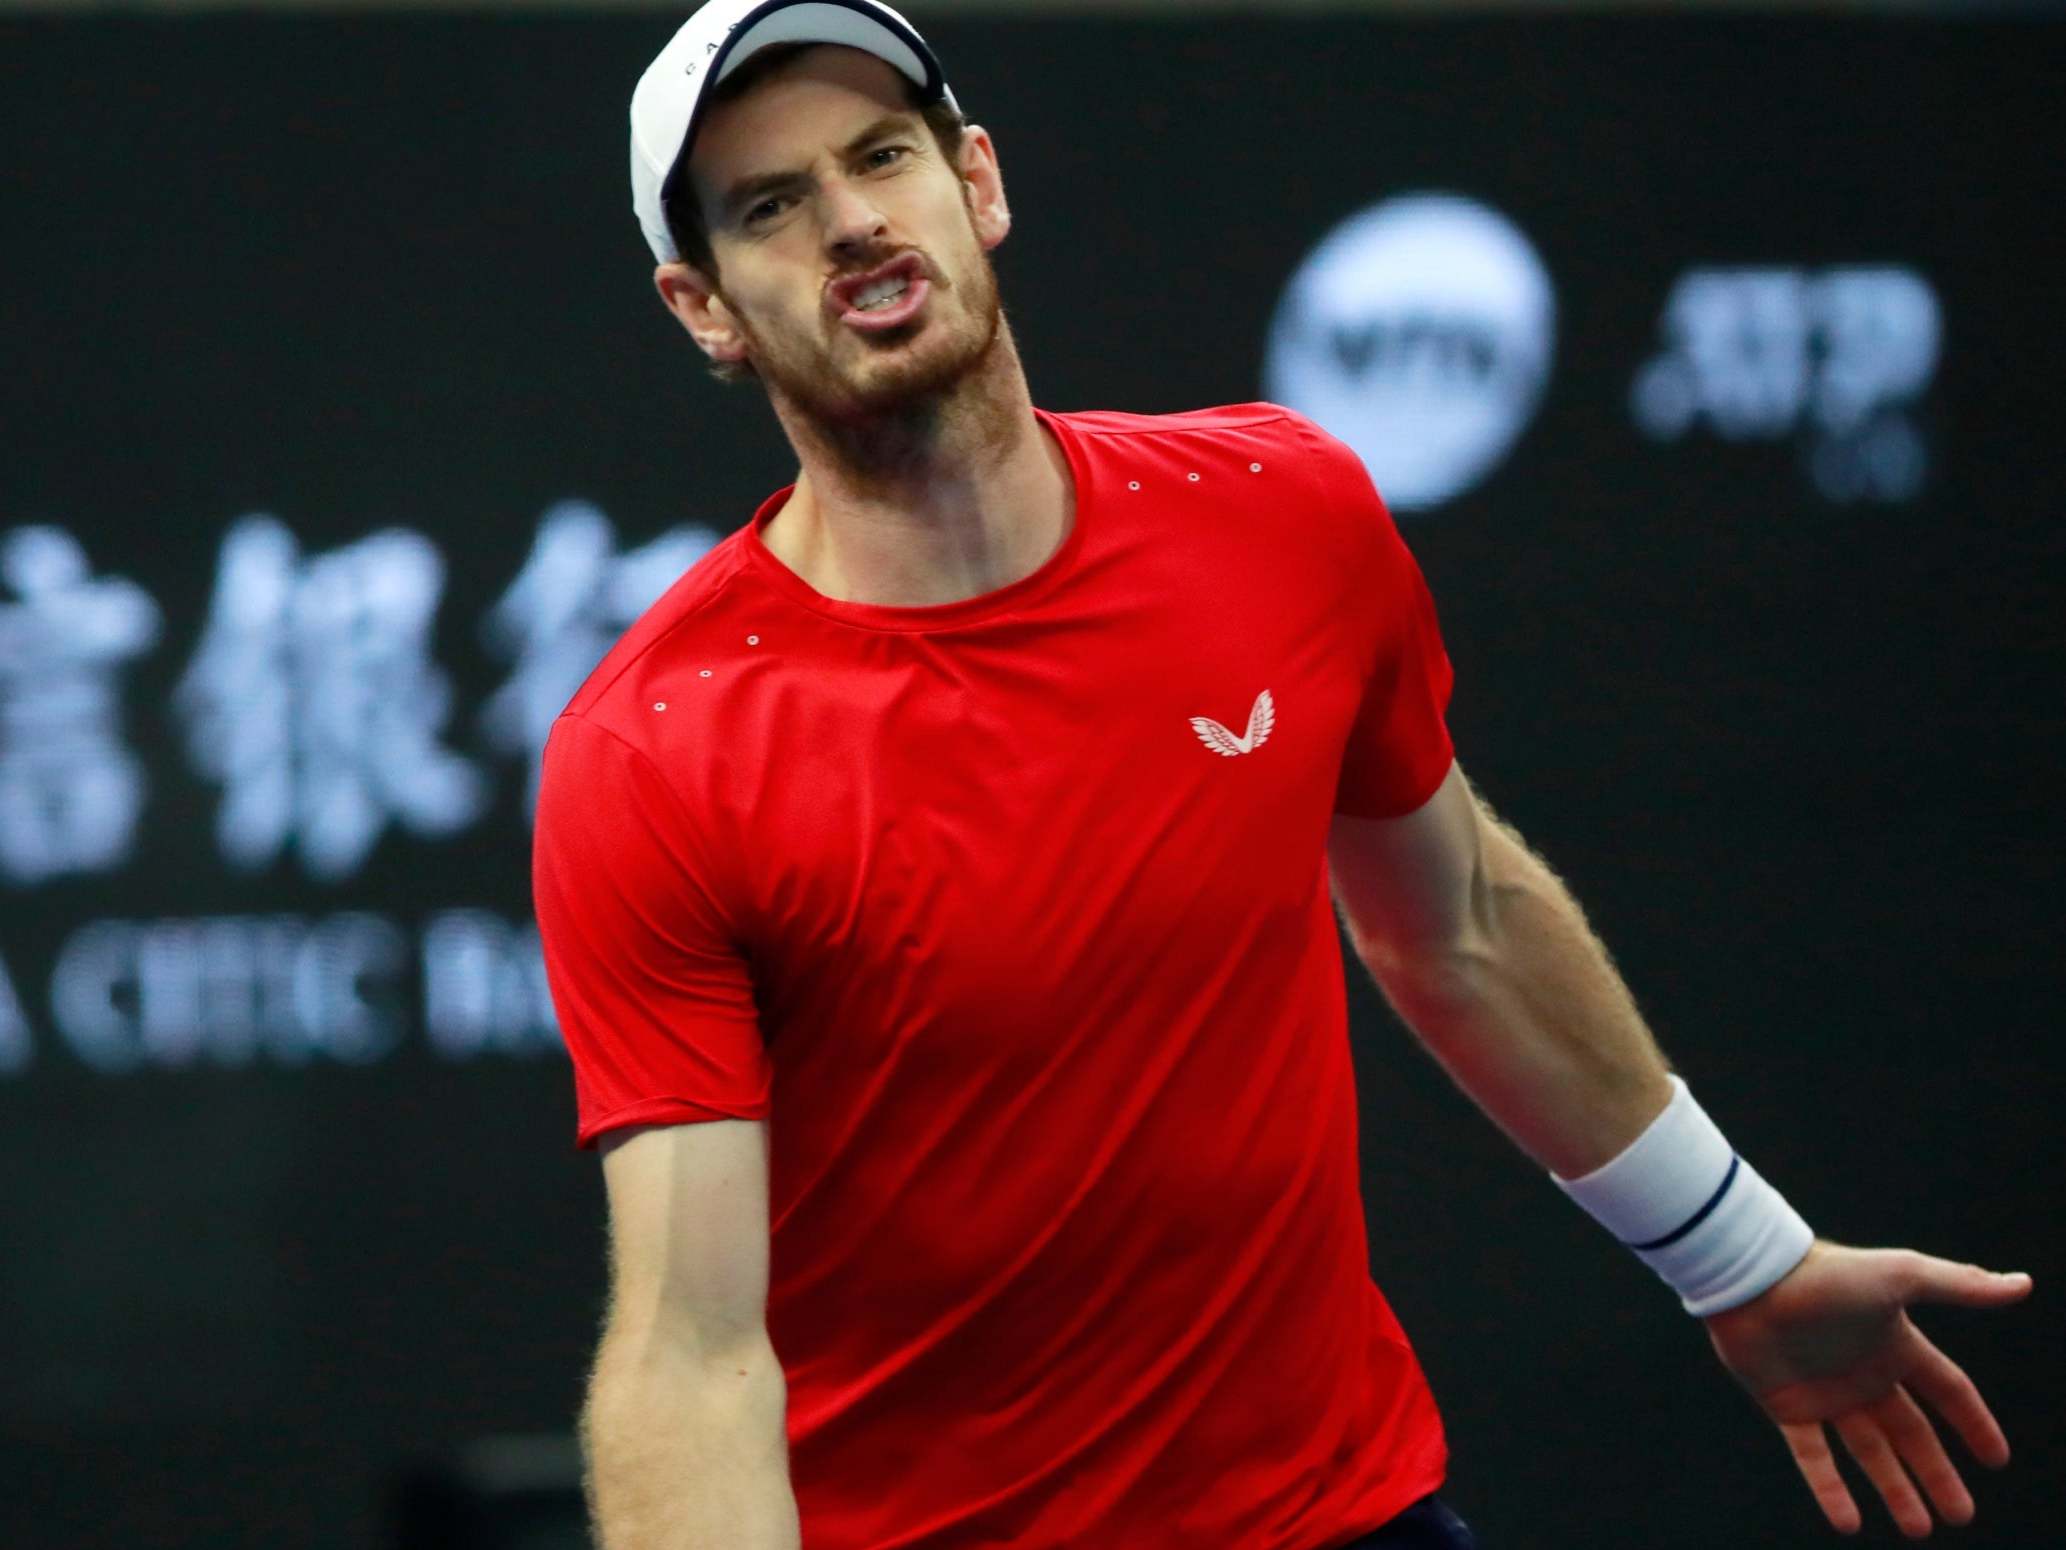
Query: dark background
[1799, 759]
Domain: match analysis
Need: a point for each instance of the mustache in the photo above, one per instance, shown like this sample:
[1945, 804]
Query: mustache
[928, 269]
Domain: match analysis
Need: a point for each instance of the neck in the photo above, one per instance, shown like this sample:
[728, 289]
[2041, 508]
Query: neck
[928, 503]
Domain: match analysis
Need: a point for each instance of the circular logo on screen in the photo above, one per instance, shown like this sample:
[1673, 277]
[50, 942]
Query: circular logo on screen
[1419, 331]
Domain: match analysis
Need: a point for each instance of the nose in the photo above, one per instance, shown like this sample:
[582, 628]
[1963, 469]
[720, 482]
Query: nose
[853, 226]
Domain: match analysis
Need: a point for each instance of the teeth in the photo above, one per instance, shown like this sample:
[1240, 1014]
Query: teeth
[870, 298]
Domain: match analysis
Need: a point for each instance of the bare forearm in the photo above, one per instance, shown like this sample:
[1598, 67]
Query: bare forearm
[686, 1450]
[1527, 1013]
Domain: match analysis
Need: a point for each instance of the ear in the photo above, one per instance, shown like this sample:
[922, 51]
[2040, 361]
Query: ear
[693, 299]
[987, 210]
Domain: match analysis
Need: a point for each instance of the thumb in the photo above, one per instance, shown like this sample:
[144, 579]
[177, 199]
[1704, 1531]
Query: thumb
[1946, 1281]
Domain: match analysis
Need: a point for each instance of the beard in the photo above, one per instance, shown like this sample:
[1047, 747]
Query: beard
[861, 390]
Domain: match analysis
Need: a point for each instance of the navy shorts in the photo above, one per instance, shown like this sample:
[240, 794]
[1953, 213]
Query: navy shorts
[1427, 1525]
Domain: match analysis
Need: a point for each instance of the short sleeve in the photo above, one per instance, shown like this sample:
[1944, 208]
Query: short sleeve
[654, 996]
[1399, 748]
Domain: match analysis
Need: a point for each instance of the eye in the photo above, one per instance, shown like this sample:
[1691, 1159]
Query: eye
[765, 210]
[886, 150]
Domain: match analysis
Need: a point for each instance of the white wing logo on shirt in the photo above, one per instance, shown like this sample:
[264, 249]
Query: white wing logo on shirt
[1261, 717]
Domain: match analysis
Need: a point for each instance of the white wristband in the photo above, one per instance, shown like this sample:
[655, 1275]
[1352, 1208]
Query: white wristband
[1693, 1211]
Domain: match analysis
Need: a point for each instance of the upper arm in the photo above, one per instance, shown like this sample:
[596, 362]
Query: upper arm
[1398, 744]
[1417, 881]
[653, 991]
[689, 1230]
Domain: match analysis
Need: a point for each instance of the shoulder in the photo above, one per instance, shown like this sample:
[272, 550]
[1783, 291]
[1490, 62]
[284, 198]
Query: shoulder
[1316, 481]
[1189, 422]
[1229, 434]
[1228, 424]
[657, 726]
[616, 688]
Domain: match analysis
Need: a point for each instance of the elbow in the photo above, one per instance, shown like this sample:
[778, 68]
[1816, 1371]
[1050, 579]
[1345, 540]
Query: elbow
[1449, 953]
[1445, 970]
[1437, 901]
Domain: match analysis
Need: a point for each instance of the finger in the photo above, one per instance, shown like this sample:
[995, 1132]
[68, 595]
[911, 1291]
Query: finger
[1811, 1452]
[1941, 1381]
[1875, 1455]
[1944, 1280]
[1917, 1443]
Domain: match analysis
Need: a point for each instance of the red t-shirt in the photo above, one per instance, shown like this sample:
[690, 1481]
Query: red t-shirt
[1010, 916]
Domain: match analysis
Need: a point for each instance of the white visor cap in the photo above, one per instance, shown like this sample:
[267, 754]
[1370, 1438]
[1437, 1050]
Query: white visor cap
[669, 100]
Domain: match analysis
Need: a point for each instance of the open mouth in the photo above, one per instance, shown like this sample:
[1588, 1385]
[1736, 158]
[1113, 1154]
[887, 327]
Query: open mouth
[881, 293]
[883, 298]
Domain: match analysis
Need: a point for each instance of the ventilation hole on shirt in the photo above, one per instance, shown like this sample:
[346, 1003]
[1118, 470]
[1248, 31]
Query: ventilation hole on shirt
[1193, 478]
[753, 640]
[1255, 468]
[659, 705]
[704, 674]
[1133, 484]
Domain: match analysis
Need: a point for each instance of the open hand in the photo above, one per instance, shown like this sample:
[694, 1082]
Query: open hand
[1831, 1344]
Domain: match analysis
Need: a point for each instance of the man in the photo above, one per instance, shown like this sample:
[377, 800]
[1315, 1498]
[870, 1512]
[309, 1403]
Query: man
[935, 886]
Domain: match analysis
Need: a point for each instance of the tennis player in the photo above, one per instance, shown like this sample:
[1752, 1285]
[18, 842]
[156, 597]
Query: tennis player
[938, 888]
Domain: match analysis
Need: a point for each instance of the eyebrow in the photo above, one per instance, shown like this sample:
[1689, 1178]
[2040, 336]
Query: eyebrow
[747, 190]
